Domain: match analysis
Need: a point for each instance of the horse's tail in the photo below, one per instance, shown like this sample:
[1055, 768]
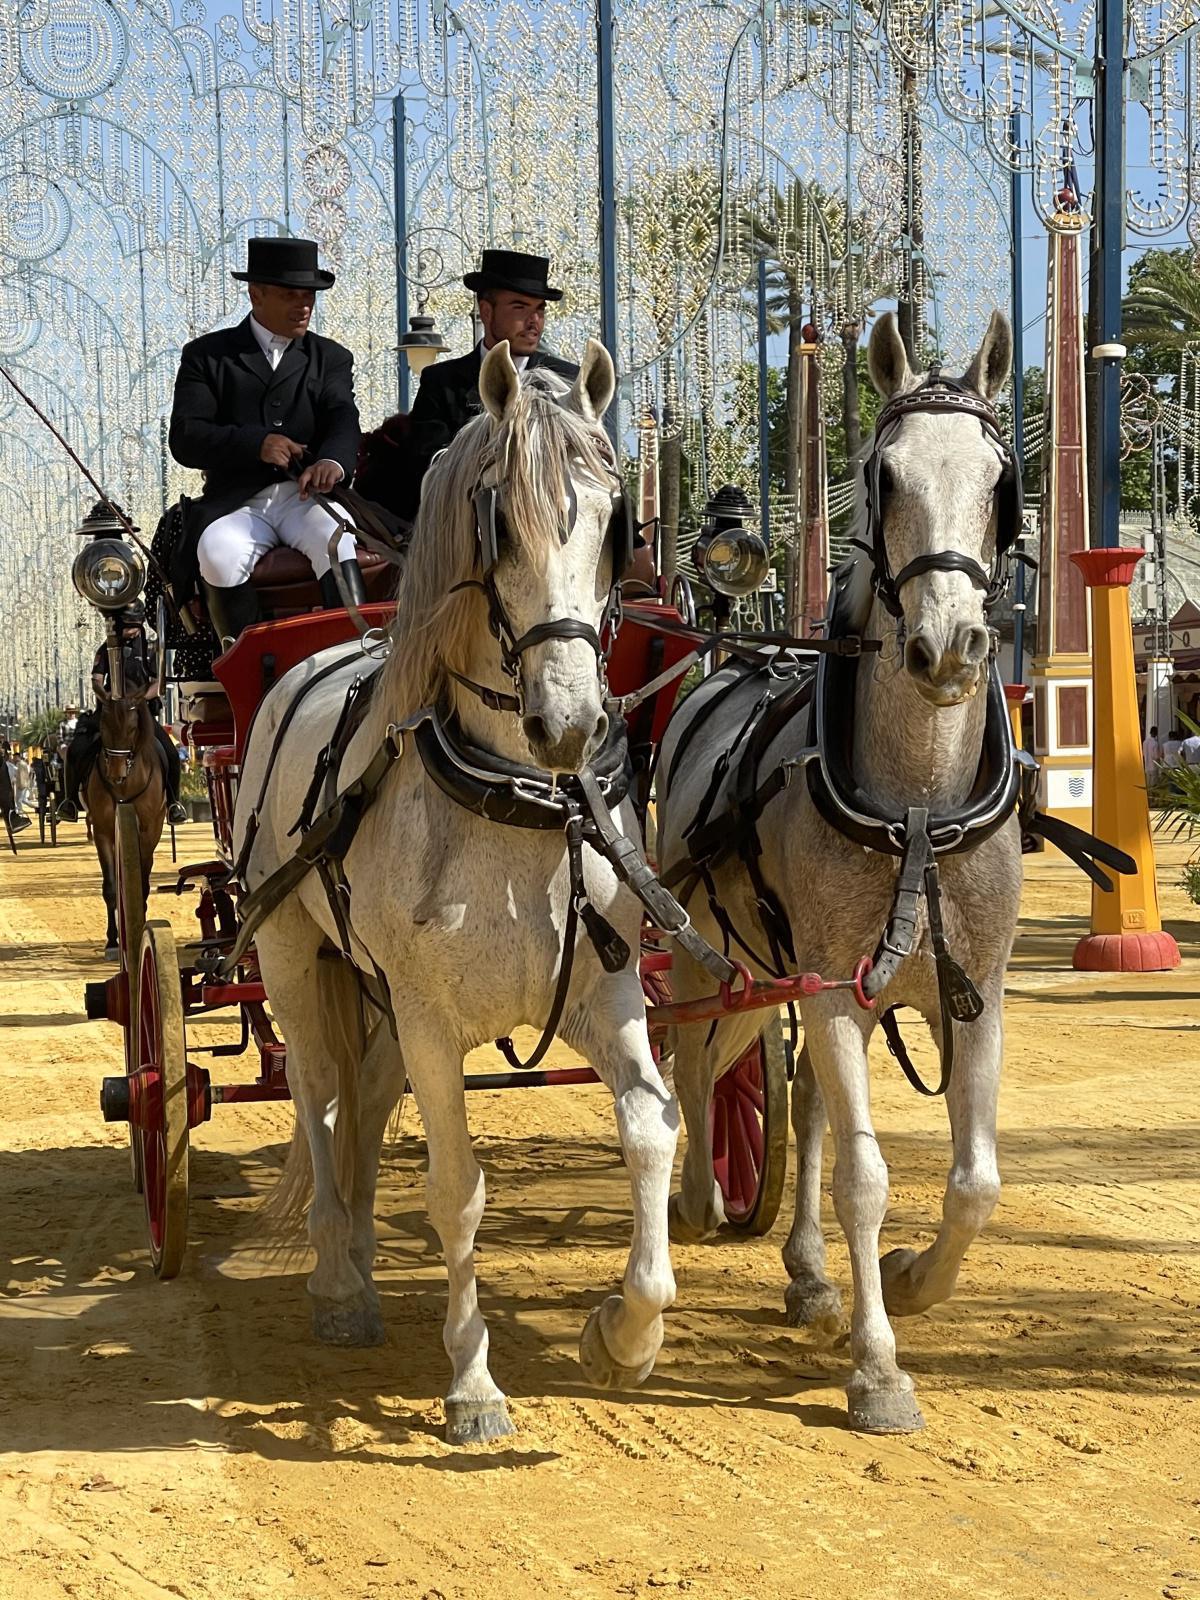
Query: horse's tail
[342, 1040]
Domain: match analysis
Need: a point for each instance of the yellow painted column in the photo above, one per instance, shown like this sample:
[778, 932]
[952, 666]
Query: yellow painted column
[1127, 933]
[1016, 694]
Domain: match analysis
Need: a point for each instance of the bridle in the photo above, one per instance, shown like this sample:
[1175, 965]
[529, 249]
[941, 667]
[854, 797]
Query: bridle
[491, 533]
[938, 395]
[127, 757]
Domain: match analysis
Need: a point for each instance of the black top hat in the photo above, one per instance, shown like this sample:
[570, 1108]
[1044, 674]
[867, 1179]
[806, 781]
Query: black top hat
[511, 269]
[289, 263]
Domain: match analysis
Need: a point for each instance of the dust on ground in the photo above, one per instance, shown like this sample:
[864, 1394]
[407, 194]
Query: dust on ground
[189, 1439]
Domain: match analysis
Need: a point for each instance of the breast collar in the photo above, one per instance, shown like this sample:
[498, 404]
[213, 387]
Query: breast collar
[845, 804]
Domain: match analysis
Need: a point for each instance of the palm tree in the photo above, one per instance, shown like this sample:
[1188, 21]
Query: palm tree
[1162, 306]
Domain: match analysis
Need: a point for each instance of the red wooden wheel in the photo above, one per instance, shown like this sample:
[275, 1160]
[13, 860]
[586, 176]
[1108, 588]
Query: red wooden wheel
[158, 1111]
[749, 1123]
[748, 1117]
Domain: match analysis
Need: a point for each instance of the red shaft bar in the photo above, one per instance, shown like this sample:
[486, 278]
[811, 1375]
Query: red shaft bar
[529, 1080]
[225, 1094]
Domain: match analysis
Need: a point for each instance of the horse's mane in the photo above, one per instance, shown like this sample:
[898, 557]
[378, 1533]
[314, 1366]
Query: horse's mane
[531, 452]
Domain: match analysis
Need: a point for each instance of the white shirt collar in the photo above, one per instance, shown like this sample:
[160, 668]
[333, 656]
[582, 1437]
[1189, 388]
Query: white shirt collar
[267, 340]
[520, 362]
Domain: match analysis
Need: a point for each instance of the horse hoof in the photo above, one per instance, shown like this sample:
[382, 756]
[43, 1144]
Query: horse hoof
[680, 1230]
[476, 1421]
[112, 952]
[895, 1276]
[885, 1411]
[813, 1304]
[598, 1365]
[347, 1323]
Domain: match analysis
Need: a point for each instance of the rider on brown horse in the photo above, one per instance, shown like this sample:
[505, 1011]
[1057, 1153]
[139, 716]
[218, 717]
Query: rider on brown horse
[140, 666]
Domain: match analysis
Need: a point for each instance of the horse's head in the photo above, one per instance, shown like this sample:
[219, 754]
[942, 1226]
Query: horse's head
[940, 494]
[550, 491]
[120, 723]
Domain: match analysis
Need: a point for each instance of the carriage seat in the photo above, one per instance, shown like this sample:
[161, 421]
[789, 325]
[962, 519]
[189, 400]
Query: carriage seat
[286, 585]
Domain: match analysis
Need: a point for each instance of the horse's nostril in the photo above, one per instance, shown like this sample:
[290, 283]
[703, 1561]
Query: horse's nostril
[600, 731]
[919, 655]
[536, 730]
[973, 644]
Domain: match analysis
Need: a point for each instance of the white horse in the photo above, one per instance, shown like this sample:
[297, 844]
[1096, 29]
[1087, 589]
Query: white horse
[918, 729]
[464, 917]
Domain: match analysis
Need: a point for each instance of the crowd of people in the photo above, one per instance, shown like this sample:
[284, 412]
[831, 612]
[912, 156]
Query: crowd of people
[1180, 748]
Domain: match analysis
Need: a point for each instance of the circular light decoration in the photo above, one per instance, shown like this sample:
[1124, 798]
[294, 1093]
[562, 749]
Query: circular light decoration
[19, 328]
[35, 218]
[327, 172]
[327, 221]
[78, 52]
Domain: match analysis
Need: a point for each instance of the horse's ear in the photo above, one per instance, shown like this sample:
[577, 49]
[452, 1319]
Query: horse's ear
[988, 372]
[499, 384]
[591, 393]
[887, 361]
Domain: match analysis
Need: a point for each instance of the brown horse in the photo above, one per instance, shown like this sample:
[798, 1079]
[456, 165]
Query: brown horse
[128, 775]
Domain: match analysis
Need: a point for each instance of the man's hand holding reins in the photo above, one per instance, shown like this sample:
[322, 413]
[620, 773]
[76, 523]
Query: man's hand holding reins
[320, 478]
[278, 450]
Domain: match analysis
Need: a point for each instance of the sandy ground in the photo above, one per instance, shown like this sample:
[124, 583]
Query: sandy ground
[189, 1439]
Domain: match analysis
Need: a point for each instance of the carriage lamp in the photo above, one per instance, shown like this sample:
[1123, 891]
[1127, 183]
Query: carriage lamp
[422, 344]
[730, 557]
[107, 572]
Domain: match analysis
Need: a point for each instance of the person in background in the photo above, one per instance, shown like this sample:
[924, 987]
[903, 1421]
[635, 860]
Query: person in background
[1190, 752]
[1151, 751]
[140, 658]
[1172, 748]
[8, 797]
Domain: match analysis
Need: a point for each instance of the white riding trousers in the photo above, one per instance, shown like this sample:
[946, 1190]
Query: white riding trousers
[230, 546]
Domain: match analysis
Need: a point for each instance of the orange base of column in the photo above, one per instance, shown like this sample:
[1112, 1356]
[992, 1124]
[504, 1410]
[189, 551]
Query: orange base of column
[1126, 952]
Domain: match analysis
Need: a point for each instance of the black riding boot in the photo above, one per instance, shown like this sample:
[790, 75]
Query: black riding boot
[230, 610]
[68, 810]
[331, 597]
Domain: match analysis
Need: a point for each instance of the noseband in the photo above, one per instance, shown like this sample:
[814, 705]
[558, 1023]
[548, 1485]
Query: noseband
[944, 397]
[490, 531]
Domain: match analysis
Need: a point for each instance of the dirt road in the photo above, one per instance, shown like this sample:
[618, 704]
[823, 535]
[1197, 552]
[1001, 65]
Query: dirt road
[188, 1439]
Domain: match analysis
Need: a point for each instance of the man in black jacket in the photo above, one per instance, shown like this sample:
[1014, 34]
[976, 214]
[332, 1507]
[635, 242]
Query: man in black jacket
[513, 291]
[253, 404]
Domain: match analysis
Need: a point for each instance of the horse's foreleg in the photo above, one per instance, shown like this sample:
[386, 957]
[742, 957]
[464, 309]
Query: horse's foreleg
[108, 887]
[913, 1281]
[623, 1336]
[455, 1196]
[812, 1301]
[881, 1398]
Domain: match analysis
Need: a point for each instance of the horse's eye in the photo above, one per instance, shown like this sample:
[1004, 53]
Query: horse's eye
[887, 480]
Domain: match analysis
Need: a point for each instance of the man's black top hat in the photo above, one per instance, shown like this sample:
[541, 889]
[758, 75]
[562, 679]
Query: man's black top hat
[289, 263]
[510, 269]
